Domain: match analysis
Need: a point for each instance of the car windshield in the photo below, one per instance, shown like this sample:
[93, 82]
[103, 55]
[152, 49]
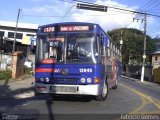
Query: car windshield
[68, 48]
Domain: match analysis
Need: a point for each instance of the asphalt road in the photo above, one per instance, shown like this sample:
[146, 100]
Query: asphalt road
[131, 97]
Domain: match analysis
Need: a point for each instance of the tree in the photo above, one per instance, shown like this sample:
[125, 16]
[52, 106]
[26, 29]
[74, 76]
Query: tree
[132, 48]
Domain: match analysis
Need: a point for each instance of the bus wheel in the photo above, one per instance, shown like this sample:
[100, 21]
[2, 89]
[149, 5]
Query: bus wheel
[104, 94]
[116, 85]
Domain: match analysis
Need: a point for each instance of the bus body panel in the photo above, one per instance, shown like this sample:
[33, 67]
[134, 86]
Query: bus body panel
[73, 78]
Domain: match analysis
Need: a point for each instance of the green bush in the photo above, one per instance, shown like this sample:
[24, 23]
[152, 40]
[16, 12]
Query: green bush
[156, 75]
[28, 70]
[5, 74]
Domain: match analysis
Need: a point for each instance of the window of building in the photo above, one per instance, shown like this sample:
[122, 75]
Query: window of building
[18, 35]
[1, 33]
[10, 34]
[29, 34]
[156, 58]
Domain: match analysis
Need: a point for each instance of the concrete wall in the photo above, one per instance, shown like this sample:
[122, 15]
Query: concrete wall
[134, 71]
[5, 61]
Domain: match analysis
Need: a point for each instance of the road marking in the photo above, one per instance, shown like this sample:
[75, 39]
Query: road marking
[151, 112]
[24, 95]
[145, 100]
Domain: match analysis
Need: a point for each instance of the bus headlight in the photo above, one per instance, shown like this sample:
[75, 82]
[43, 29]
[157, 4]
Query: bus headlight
[89, 80]
[47, 79]
[83, 80]
[41, 79]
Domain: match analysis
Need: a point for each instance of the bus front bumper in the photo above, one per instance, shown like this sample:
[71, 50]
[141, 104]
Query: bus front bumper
[68, 89]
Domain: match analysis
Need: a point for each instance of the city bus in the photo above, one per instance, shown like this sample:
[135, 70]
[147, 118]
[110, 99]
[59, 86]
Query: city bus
[76, 58]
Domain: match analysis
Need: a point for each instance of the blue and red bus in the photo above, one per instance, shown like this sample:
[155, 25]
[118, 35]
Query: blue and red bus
[76, 58]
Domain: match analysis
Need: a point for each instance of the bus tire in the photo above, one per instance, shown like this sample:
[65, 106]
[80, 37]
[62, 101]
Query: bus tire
[116, 85]
[103, 96]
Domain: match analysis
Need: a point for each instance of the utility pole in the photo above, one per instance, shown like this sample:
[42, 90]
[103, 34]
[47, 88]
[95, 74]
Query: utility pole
[19, 10]
[144, 48]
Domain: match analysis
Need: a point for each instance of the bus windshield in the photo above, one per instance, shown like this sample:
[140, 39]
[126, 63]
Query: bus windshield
[68, 48]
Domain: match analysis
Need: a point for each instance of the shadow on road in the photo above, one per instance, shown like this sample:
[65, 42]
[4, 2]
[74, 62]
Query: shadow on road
[72, 98]
[10, 105]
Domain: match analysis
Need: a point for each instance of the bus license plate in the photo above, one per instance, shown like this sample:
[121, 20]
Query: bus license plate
[63, 89]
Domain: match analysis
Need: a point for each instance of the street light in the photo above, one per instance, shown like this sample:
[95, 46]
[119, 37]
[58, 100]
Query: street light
[121, 42]
[92, 7]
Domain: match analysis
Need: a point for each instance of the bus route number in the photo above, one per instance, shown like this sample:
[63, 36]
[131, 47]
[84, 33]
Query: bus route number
[85, 70]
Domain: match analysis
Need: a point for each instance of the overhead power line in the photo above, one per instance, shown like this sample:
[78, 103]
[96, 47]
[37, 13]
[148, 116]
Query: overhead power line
[157, 3]
[147, 5]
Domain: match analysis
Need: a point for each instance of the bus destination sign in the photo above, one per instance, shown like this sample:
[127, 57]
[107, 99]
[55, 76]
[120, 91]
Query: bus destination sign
[74, 28]
[66, 28]
[61, 39]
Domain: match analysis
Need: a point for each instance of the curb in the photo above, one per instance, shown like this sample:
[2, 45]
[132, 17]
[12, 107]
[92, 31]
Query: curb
[145, 82]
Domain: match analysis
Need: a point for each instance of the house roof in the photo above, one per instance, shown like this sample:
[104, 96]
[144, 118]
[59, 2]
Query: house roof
[20, 25]
[156, 53]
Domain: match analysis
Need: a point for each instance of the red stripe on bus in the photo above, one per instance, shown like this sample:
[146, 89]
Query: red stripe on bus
[44, 70]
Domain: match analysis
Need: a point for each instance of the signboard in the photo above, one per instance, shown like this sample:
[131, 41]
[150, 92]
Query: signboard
[26, 40]
[74, 28]
[61, 39]
[49, 29]
[67, 28]
[156, 63]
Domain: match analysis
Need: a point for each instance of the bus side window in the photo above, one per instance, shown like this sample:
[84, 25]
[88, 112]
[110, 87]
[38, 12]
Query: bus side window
[101, 44]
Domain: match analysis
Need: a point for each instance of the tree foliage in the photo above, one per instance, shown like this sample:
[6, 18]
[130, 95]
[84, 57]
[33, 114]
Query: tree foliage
[132, 48]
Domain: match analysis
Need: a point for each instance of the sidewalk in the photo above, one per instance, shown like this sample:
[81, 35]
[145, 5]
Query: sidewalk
[144, 82]
[14, 87]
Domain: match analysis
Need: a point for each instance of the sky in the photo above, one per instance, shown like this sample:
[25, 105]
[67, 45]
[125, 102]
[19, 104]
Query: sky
[43, 12]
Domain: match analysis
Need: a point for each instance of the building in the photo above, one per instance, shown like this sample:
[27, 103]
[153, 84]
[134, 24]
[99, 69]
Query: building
[7, 31]
[156, 59]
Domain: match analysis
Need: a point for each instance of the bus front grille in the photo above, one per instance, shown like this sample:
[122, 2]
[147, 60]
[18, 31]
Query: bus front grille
[65, 80]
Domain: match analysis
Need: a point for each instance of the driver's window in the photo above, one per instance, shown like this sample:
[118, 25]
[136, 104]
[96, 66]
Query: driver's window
[52, 50]
[55, 50]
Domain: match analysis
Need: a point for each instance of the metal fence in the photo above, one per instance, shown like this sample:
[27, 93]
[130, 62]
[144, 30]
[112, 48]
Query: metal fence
[5, 61]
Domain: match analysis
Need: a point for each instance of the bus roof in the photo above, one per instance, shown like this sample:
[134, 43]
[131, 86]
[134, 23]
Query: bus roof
[69, 23]
[67, 27]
